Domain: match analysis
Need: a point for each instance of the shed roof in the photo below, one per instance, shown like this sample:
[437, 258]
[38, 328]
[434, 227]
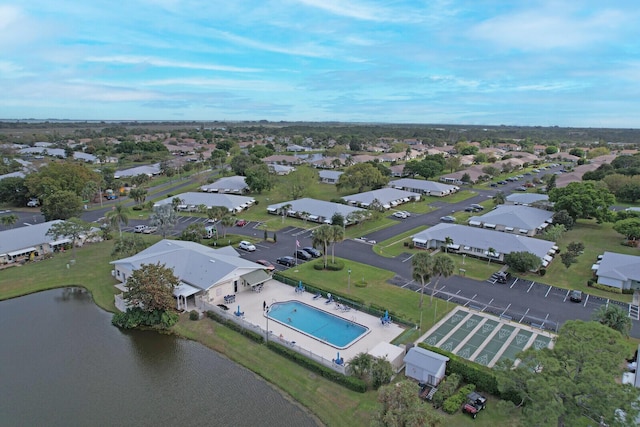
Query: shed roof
[425, 359]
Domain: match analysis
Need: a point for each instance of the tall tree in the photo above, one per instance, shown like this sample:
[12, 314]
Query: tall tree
[163, 217]
[522, 261]
[574, 380]
[61, 204]
[298, 183]
[322, 237]
[128, 245]
[491, 252]
[400, 406]
[258, 178]
[117, 216]
[151, 288]
[584, 200]
[226, 222]
[422, 268]
[138, 194]
[442, 266]
[447, 242]
[337, 236]
[60, 176]
[72, 229]
[362, 176]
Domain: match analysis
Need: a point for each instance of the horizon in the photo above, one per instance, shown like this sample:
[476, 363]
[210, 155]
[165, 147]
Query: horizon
[484, 63]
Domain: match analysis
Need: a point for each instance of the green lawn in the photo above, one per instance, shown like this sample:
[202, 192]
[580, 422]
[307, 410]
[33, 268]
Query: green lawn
[394, 246]
[453, 198]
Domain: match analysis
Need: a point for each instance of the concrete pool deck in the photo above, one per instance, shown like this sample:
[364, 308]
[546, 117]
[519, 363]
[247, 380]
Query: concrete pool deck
[273, 291]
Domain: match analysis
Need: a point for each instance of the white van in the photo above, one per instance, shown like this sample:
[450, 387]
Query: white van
[210, 232]
[139, 228]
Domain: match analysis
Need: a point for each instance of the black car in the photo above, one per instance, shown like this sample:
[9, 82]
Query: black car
[303, 255]
[575, 296]
[312, 251]
[469, 209]
[502, 182]
[494, 184]
[289, 261]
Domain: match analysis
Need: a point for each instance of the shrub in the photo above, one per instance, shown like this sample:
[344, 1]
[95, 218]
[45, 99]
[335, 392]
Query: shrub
[446, 389]
[542, 271]
[136, 317]
[454, 403]
[335, 266]
[137, 208]
[194, 315]
[254, 336]
[607, 288]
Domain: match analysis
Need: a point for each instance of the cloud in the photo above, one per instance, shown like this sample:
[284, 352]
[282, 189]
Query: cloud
[552, 27]
[159, 62]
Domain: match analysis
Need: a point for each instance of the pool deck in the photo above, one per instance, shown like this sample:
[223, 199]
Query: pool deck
[273, 291]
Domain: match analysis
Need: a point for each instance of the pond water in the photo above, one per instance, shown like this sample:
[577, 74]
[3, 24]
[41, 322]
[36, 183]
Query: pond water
[62, 363]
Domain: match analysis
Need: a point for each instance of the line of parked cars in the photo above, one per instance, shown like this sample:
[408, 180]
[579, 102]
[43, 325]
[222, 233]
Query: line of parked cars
[305, 254]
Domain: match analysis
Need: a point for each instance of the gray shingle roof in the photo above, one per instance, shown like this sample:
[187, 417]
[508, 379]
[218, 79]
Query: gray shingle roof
[193, 263]
[229, 201]
[619, 266]
[423, 185]
[139, 170]
[383, 195]
[237, 183]
[317, 207]
[25, 237]
[516, 216]
[428, 360]
[526, 198]
[482, 238]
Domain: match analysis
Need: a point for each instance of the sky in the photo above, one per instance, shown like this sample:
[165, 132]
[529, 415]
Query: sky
[481, 62]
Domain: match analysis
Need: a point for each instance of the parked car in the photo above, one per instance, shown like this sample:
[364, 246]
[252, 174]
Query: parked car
[33, 203]
[139, 228]
[399, 214]
[477, 206]
[150, 230]
[447, 218]
[302, 254]
[494, 184]
[247, 246]
[241, 223]
[267, 265]
[312, 251]
[521, 188]
[289, 261]
[502, 182]
[469, 209]
[575, 296]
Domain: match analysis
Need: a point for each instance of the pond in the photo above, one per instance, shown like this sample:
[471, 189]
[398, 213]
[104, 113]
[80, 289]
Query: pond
[63, 363]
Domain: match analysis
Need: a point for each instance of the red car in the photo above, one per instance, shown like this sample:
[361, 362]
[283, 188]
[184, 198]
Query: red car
[267, 265]
[241, 223]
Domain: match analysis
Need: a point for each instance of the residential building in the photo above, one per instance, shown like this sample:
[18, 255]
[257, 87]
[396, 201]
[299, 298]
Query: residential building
[329, 176]
[519, 219]
[231, 184]
[618, 270]
[191, 200]
[425, 366]
[313, 210]
[421, 186]
[25, 243]
[386, 197]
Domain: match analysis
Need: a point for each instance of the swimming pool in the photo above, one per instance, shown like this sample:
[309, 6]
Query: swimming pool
[321, 325]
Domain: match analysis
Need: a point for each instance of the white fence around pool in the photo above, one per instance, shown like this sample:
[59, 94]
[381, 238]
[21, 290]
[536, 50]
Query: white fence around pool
[204, 306]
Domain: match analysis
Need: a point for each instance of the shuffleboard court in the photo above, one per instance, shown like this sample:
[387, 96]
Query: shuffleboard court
[484, 338]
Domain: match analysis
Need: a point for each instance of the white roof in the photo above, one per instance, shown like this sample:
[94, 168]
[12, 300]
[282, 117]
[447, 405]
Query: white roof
[526, 198]
[327, 174]
[383, 195]
[619, 266]
[319, 208]
[237, 183]
[139, 170]
[516, 216]
[20, 238]
[483, 239]
[421, 184]
[194, 264]
[229, 201]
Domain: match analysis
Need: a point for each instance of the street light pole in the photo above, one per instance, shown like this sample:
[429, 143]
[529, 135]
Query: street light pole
[349, 282]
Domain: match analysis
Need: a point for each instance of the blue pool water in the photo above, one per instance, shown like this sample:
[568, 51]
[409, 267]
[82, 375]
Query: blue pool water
[321, 325]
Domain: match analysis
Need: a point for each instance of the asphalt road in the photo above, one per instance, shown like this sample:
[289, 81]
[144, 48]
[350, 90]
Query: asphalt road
[539, 304]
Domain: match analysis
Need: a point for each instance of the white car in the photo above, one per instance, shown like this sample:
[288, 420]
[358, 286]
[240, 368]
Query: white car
[406, 213]
[247, 246]
[139, 228]
[400, 214]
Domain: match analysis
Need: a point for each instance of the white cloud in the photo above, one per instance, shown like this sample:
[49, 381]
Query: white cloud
[549, 28]
[159, 62]
[223, 84]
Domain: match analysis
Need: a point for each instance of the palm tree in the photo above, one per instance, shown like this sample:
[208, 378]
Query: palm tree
[443, 266]
[215, 213]
[284, 210]
[117, 216]
[421, 263]
[614, 317]
[499, 198]
[322, 237]
[138, 194]
[490, 252]
[227, 221]
[337, 236]
[163, 217]
[447, 241]
[8, 220]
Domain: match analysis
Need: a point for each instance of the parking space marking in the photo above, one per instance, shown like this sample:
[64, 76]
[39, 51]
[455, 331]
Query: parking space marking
[548, 290]
[513, 284]
[586, 300]
[505, 310]
[530, 286]
[566, 296]
[407, 284]
[524, 315]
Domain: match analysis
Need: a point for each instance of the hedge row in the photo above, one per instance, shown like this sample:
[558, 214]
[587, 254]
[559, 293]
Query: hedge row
[470, 372]
[351, 383]
[232, 325]
[454, 403]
